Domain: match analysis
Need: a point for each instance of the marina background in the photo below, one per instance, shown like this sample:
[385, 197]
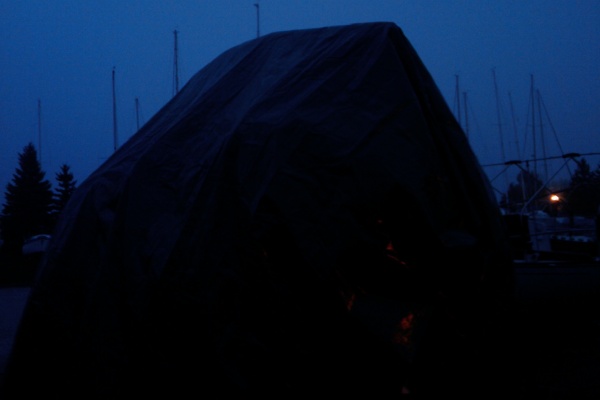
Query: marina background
[64, 62]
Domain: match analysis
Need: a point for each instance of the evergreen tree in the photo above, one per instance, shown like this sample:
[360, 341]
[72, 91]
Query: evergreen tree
[584, 195]
[26, 211]
[66, 187]
[520, 193]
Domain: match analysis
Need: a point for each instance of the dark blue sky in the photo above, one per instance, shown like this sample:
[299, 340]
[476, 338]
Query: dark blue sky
[62, 53]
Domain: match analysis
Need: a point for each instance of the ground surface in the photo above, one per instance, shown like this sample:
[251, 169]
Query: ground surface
[558, 356]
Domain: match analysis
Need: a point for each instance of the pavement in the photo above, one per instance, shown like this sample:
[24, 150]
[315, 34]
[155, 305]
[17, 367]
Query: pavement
[558, 355]
[12, 303]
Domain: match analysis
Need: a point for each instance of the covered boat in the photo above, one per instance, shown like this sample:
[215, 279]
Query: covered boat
[304, 216]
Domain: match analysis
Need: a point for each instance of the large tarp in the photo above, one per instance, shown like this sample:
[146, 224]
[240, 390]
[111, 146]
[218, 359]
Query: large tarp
[305, 216]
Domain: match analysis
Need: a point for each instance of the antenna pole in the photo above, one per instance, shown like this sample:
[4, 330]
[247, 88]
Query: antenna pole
[175, 66]
[114, 111]
[257, 19]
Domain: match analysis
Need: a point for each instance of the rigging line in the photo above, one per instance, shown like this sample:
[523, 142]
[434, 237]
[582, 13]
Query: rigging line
[498, 191]
[506, 166]
[550, 123]
[563, 156]
[542, 187]
[502, 172]
[543, 106]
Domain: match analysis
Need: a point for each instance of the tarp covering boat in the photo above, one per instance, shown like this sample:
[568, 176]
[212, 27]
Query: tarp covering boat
[304, 216]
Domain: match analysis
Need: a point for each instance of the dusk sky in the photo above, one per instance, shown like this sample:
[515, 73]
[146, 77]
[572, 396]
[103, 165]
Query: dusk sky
[60, 54]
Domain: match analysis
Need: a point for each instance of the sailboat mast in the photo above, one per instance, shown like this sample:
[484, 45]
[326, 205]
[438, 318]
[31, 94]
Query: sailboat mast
[512, 113]
[39, 109]
[115, 141]
[534, 141]
[137, 114]
[457, 100]
[466, 115]
[175, 66]
[542, 141]
[257, 19]
[499, 117]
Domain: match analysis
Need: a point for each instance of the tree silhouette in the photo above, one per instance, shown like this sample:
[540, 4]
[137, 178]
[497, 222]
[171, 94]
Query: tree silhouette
[522, 193]
[584, 190]
[64, 190]
[28, 196]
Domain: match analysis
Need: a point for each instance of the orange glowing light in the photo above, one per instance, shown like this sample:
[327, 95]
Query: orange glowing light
[404, 330]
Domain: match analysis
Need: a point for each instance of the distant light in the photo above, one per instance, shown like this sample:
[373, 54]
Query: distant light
[554, 198]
